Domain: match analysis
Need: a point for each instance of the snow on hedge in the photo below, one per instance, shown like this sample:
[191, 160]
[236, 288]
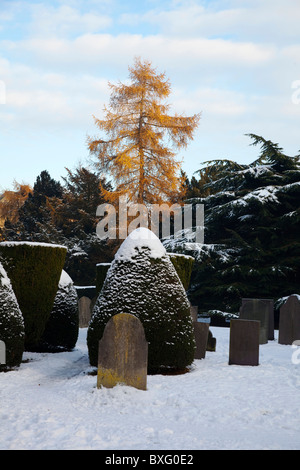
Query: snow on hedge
[140, 239]
[13, 243]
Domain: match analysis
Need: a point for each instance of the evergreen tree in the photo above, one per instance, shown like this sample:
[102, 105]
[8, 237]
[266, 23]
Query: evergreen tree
[137, 152]
[252, 218]
[34, 211]
[66, 215]
[82, 195]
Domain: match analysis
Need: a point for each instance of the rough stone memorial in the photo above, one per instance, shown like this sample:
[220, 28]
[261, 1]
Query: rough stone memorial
[259, 310]
[244, 342]
[201, 338]
[2, 352]
[84, 307]
[289, 321]
[123, 353]
[194, 312]
[270, 304]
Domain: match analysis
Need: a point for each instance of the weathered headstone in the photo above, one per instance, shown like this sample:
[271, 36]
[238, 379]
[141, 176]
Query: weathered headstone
[84, 307]
[211, 342]
[270, 304]
[123, 353]
[194, 312]
[244, 342]
[289, 321]
[2, 352]
[201, 338]
[257, 309]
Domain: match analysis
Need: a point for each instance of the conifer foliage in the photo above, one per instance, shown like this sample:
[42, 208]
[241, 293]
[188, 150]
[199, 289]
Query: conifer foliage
[137, 123]
[252, 226]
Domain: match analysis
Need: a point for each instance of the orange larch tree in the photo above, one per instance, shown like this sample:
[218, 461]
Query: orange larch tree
[12, 201]
[139, 152]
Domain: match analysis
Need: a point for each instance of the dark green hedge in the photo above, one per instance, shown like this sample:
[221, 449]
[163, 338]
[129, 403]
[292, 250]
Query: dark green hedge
[62, 327]
[101, 271]
[184, 266]
[12, 330]
[34, 270]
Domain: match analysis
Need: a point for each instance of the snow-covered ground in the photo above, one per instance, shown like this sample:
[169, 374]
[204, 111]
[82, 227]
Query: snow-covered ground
[51, 402]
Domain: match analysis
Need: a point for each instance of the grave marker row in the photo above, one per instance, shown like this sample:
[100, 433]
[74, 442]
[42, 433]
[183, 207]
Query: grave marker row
[123, 349]
[261, 310]
[289, 321]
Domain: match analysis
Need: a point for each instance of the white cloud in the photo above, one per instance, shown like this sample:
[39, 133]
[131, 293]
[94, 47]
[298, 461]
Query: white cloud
[92, 49]
[233, 61]
[65, 20]
[268, 20]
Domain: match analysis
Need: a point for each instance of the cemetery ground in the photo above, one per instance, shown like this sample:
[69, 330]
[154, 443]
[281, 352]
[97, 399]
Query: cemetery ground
[52, 402]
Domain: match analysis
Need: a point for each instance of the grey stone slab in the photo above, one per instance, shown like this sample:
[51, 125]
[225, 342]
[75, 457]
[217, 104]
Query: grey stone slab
[270, 303]
[211, 342]
[85, 308]
[123, 353]
[289, 321]
[194, 312]
[201, 337]
[2, 352]
[244, 342]
[259, 310]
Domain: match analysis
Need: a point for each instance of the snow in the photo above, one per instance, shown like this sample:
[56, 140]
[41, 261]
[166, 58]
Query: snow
[137, 239]
[268, 193]
[65, 280]
[5, 281]
[51, 402]
[13, 243]
[182, 255]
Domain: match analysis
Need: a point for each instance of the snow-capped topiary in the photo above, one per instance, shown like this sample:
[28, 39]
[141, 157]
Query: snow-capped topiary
[62, 327]
[12, 331]
[143, 281]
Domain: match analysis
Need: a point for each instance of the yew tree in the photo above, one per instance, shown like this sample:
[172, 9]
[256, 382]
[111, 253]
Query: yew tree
[142, 137]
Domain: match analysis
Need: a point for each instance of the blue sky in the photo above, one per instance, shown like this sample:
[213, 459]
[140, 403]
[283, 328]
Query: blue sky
[235, 61]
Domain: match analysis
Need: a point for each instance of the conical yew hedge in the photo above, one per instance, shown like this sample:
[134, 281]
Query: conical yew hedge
[143, 281]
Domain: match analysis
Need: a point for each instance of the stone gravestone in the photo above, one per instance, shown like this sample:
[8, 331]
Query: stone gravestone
[123, 353]
[201, 338]
[194, 312]
[289, 321]
[84, 307]
[270, 304]
[244, 342]
[2, 352]
[256, 309]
